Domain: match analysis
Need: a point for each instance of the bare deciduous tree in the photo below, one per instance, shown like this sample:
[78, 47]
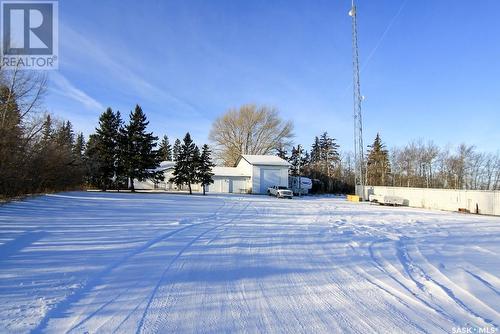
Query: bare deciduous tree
[250, 129]
[36, 154]
[27, 88]
[426, 165]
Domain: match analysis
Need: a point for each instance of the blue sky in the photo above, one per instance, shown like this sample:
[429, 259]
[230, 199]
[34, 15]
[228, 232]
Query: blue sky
[430, 69]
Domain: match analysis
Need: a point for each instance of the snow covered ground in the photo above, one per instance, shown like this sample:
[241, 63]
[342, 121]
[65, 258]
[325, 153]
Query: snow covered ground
[125, 263]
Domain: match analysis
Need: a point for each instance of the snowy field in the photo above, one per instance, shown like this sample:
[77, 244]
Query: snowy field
[126, 263]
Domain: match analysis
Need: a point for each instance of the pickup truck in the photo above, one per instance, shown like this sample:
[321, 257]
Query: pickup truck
[280, 192]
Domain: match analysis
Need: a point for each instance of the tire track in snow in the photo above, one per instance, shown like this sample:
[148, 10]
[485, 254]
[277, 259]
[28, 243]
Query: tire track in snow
[266, 298]
[380, 266]
[79, 293]
[270, 306]
[364, 275]
[176, 257]
[349, 293]
[482, 280]
[400, 296]
[304, 233]
[342, 322]
[141, 324]
[111, 319]
[414, 271]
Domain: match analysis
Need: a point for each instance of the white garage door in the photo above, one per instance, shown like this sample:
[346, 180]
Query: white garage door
[238, 185]
[220, 185]
[269, 178]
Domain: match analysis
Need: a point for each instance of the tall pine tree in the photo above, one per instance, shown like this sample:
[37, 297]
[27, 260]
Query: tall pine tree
[106, 147]
[92, 161]
[176, 149]
[378, 166]
[140, 159]
[205, 175]
[296, 160]
[323, 163]
[121, 177]
[315, 151]
[165, 149]
[186, 166]
[47, 129]
[329, 154]
[79, 147]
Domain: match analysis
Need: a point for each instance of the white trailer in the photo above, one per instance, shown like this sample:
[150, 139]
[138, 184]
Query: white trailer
[300, 185]
[386, 200]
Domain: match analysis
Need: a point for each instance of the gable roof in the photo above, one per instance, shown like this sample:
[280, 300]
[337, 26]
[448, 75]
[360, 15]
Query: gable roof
[164, 165]
[266, 160]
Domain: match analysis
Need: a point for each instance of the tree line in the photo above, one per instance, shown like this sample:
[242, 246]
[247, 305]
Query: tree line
[253, 129]
[323, 163]
[117, 154]
[37, 152]
[426, 165]
[417, 164]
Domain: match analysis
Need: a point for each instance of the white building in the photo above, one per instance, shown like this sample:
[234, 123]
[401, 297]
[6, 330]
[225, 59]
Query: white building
[264, 170]
[252, 174]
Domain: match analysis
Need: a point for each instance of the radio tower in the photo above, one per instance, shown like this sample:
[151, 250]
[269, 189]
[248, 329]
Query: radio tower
[357, 99]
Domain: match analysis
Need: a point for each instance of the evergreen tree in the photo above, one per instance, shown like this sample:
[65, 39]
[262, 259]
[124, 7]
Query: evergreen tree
[329, 154]
[315, 151]
[305, 164]
[79, 147]
[165, 149]
[306, 159]
[36, 155]
[121, 177]
[323, 163]
[65, 136]
[46, 158]
[176, 149]
[378, 166]
[62, 159]
[205, 175]
[296, 160]
[106, 146]
[140, 159]
[11, 139]
[92, 161]
[79, 156]
[47, 129]
[186, 166]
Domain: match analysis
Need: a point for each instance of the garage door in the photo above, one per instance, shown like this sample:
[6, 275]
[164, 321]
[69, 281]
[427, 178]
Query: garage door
[269, 178]
[238, 185]
[220, 185]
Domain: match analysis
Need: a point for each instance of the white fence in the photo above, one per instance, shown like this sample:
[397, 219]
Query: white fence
[486, 202]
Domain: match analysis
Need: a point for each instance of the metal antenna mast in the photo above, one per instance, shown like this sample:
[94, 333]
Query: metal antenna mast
[357, 99]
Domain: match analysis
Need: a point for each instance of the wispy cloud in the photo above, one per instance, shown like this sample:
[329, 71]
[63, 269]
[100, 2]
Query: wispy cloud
[65, 88]
[118, 67]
